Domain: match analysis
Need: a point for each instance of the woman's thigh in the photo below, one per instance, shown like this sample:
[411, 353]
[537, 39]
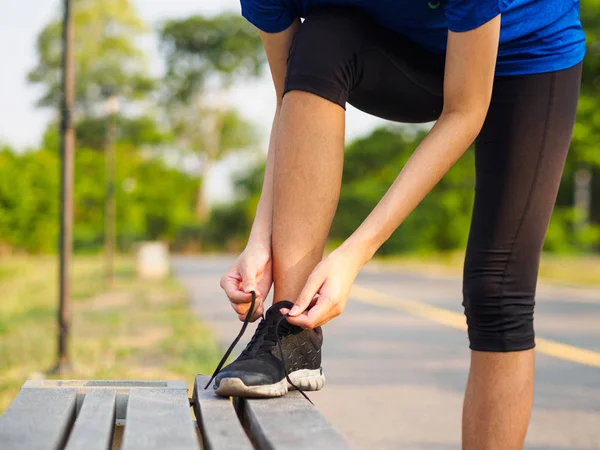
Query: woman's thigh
[343, 56]
[519, 157]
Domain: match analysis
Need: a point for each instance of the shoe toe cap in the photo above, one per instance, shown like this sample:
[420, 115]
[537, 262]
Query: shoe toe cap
[248, 378]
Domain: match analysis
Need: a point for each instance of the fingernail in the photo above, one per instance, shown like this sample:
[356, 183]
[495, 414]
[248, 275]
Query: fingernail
[294, 311]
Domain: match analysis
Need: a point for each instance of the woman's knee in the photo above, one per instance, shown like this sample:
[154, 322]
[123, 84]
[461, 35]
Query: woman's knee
[499, 309]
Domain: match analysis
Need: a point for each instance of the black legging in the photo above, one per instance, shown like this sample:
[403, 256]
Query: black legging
[343, 56]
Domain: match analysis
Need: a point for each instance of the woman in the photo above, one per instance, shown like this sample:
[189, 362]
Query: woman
[502, 73]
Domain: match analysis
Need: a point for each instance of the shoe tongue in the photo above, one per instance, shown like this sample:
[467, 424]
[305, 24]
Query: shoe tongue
[274, 311]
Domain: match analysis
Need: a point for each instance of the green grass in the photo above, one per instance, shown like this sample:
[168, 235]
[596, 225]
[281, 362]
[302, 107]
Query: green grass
[135, 330]
[582, 270]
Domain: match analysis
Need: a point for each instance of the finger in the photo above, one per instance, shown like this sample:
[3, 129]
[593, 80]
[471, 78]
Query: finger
[240, 298]
[231, 286]
[308, 322]
[248, 274]
[312, 287]
[315, 316]
[241, 308]
[314, 300]
[242, 311]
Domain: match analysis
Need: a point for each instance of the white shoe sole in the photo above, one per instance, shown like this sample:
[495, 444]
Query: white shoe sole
[305, 379]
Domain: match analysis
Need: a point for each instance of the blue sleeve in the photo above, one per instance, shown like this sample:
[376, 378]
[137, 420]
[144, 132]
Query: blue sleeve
[270, 16]
[466, 15]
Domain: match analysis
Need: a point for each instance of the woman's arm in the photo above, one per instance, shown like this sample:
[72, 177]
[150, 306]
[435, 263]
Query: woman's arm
[468, 81]
[470, 66]
[277, 47]
[252, 270]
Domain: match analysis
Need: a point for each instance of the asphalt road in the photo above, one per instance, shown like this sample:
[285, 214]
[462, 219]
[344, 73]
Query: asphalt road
[397, 360]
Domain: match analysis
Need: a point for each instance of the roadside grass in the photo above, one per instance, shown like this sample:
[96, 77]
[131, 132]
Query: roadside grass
[580, 270]
[135, 330]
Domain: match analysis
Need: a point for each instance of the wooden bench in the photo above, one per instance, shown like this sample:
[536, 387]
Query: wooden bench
[153, 415]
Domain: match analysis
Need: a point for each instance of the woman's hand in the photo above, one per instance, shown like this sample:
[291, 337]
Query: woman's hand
[252, 271]
[327, 289]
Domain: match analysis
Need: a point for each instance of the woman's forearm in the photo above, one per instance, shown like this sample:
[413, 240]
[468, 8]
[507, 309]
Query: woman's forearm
[263, 221]
[444, 145]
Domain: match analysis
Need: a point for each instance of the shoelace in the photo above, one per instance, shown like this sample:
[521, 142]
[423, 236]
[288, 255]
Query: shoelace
[239, 336]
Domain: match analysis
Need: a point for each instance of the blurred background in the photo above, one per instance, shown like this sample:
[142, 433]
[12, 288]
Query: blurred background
[179, 90]
[173, 106]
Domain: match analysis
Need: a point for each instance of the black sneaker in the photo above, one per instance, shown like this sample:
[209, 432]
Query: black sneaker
[259, 371]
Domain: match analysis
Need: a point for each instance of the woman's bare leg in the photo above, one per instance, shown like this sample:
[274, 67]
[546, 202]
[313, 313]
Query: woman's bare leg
[306, 187]
[498, 400]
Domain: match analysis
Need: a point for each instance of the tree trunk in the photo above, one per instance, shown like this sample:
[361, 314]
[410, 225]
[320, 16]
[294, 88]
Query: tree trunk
[211, 155]
[202, 209]
[583, 191]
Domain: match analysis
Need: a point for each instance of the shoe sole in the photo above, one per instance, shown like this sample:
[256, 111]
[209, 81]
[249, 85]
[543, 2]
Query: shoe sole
[305, 379]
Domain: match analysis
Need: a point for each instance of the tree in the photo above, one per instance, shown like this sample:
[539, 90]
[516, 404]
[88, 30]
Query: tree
[210, 134]
[372, 163]
[204, 56]
[154, 201]
[29, 186]
[199, 48]
[584, 160]
[106, 55]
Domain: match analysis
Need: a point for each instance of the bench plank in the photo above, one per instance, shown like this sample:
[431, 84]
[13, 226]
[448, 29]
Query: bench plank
[288, 423]
[219, 425]
[121, 386]
[95, 422]
[38, 419]
[158, 419]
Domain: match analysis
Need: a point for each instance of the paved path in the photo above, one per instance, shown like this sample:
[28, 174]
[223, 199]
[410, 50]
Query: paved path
[396, 361]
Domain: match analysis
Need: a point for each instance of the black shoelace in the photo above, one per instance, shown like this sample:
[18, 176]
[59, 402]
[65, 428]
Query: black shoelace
[239, 336]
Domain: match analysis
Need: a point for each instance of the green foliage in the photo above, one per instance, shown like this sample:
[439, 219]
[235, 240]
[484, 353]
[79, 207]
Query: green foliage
[585, 148]
[106, 54]
[440, 223]
[107, 59]
[198, 47]
[590, 18]
[564, 236]
[153, 200]
[372, 164]
[138, 132]
[227, 227]
[203, 57]
[210, 133]
[29, 187]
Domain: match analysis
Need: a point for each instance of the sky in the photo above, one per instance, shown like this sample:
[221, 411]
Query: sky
[22, 124]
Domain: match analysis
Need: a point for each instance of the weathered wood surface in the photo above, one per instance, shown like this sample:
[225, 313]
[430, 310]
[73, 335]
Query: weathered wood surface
[38, 419]
[219, 425]
[122, 387]
[46, 416]
[288, 423]
[85, 385]
[159, 419]
[93, 429]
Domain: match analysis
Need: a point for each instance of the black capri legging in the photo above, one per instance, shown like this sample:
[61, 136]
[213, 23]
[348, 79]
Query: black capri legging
[342, 56]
